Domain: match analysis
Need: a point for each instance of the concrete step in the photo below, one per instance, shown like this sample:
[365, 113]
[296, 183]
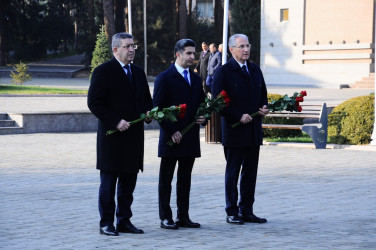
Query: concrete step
[10, 130]
[365, 83]
[7, 123]
[3, 116]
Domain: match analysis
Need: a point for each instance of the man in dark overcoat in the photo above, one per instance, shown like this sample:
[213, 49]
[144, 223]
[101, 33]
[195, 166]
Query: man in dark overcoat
[244, 83]
[215, 61]
[178, 85]
[118, 94]
[202, 66]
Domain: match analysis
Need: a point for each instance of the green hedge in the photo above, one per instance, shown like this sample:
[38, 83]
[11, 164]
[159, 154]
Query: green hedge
[280, 120]
[352, 121]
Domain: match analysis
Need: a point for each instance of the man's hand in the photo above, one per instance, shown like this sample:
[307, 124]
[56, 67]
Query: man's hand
[148, 119]
[200, 120]
[263, 111]
[245, 118]
[195, 70]
[176, 137]
[123, 125]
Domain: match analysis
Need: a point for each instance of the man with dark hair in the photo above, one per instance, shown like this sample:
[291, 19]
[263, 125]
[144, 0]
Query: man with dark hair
[244, 83]
[178, 85]
[202, 66]
[215, 61]
[118, 94]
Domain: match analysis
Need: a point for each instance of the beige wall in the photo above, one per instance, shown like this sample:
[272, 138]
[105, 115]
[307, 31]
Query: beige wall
[338, 21]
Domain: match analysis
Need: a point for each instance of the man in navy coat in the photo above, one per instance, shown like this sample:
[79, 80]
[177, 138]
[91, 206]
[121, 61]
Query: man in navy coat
[178, 85]
[244, 83]
[215, 61]
[118, 94]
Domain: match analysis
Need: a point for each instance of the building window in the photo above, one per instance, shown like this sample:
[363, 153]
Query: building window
[284, 15]
[205, 8]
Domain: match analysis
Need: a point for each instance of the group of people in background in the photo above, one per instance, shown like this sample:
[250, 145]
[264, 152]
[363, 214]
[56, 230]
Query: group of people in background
[119, 93]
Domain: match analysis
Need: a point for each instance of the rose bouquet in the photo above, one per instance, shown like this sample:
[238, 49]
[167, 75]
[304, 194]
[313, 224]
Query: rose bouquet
[287, 103]
[206, 109]
[159, 114]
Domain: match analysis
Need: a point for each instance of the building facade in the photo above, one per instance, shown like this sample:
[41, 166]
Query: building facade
[318, 43]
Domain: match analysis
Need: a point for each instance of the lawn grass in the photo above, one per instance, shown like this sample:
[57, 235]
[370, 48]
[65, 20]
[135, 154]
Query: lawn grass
[301, 139]
[35, 90]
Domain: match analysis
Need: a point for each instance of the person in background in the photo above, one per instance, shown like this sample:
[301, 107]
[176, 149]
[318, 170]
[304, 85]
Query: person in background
[118, 94]
[244, 83]
[178, 85]
[215, 61]
[202, 66]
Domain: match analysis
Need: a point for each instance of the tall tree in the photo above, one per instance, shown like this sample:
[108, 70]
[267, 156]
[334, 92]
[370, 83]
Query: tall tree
[182, 19]
[108, 15]
[119, 16]
[218, 21]
[3, 22]
[245, 19]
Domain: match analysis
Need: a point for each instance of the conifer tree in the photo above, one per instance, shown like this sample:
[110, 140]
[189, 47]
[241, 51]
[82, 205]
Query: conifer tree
[245, 19]
[102, 51]
[21, 75]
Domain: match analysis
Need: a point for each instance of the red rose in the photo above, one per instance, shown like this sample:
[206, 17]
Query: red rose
[299, 99]
[183, 110]
[300, 109]
[225, 97]
[303, 93]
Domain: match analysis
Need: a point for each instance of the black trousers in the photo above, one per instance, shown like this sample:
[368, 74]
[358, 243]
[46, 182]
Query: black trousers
[183, 185]
[246, 159]
[125, 184]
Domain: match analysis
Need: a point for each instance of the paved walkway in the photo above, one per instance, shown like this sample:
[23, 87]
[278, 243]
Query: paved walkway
[313, 199]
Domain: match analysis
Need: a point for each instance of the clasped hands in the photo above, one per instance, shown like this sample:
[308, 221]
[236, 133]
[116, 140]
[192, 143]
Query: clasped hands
[177, 136]
[124, 125]
[246, 118]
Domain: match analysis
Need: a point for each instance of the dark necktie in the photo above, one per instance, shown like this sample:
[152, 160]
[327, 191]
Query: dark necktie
[129, 73]
[186, 76]
[245, 71]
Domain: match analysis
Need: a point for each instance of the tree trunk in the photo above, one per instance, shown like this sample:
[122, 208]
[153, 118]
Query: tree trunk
[119, 15]
[108, 15]
[3, 49]
[218, 21]
[182, 19]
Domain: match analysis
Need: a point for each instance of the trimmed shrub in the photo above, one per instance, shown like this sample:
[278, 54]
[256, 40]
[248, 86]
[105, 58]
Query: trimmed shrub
[352, 121]
[268, 132]
[102, 52]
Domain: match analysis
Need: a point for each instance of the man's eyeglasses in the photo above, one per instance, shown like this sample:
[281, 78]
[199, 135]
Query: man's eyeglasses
[243, 46]
[134, 46]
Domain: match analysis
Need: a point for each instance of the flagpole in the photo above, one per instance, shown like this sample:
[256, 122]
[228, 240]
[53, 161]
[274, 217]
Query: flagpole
[373, 137]
[225, 32]
[129, 17]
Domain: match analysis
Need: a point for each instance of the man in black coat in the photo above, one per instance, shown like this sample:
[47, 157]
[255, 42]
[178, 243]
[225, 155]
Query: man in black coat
[118, 94]
[244, 83]
[202, 66]
[178, 85]
[215, 61]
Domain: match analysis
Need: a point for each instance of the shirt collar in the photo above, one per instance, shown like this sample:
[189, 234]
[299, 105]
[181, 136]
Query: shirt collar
[181, 69]
[122, 64]
[241, 64]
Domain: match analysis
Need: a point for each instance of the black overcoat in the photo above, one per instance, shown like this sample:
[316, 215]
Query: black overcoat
[247, 95]
[202, 64]
[113, 97]
[170, 88]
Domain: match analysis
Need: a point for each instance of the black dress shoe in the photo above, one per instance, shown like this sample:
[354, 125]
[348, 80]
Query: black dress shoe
[168, 224]
[108, 230]
[234, 219]
[252, 218]
[129, 228]
[187, 223]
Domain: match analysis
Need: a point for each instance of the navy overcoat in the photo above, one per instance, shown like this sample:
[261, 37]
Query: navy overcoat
[170, 88]
[247, 94]
[112, 97]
